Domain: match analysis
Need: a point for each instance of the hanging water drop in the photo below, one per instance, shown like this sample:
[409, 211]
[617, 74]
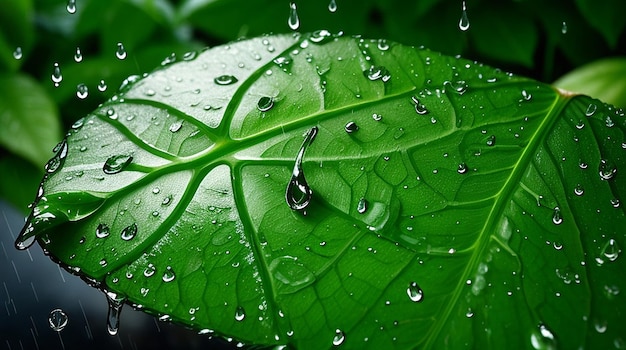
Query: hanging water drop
[115, 308]
[351, 127]
[294, 21]
[129, 232]
[17, 54]
[557, 218]
[225, 80]
[26, 238]
[265, 104]
[332, 6]
[415, 293]
[71, 6]
[57, 320]
[464, 21]
[361, 206]
[78, 56]
[564, 28]
[82, 91]
[102, 230]
[339, 337]
[116, 164]
[298, 194]
[240, 314]
[102, 86]
[168, 275]
[120, 53]
[606, 170]
[57, 77]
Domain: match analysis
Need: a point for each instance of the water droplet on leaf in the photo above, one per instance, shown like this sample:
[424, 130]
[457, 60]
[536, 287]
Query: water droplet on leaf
[415, 293]
[298, 193]
[168, 275]
[176, 126]
[225, 80]
[377, 72]
[116, 164]
[578, 190]
[332, 6]
[265, 104]
[129, 232]
[102, 230]
[57, 320]
[591, 109]
[557, 218]
[361, 207]
[351, 127]
[606, 170]
[610, 250]
[491, 140]
[240, 314]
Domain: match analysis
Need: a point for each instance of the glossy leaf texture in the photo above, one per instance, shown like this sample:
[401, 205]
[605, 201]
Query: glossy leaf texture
[439, 203]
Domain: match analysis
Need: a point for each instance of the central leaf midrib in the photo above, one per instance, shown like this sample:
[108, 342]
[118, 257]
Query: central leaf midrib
[498, 208]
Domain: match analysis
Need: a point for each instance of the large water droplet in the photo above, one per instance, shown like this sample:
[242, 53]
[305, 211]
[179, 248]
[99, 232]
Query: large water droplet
[610, 250]
[115, 308]
[557, 218]
[57, 320]
[361, 206]
[564, 28]
[377, 72]
[415, 293]
[57, 77]
[129, 232]
[120, 53]
[606, 170]
[294, 21]
[462, 168]
[240, 314]
[116, 164]
[82, 91]
[298, 193]
[464, 23]
[591, 109]
[102, 230]
[265, 104]
[339, 337]
[17, 54]
[225, 80]
[71, 6]
[168, 275]
[332, 6]
[351, 127]
[78, 56]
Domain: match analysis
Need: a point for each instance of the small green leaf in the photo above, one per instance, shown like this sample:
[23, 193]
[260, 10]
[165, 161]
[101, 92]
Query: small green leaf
[30, 124]
[602, 79]
[319, 191]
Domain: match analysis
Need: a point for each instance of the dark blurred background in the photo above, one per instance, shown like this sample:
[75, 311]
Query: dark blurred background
[582, 39]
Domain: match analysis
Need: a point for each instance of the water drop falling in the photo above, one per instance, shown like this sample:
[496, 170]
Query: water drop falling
[557, 218]
[82, 91]
[57, 77]
[240, 314]
[102, 230]
[415, 293]
[116, 164]
[57, 320]
[115, 308]
[265, 104]
[464, 21]
[361, 207]
[120, 53]
[294, 21]
[17, 54]
[129, 232]
[168, 275]
[351, 127]
[71, 6]
[225, 80]
[564, 28]
[332, 6]
[606, 170]
[78, 56]
[339, 337]
[102, 87]
[298, 193]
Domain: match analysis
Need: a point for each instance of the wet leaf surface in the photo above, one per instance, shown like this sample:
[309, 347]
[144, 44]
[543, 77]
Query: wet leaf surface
[326, 191]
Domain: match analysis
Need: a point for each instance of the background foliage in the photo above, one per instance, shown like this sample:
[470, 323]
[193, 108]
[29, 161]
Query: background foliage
[540, 39]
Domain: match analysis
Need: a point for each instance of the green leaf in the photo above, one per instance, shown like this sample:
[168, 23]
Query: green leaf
[607, 17]
[324, 190]
[30, 124]
[603, 79]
